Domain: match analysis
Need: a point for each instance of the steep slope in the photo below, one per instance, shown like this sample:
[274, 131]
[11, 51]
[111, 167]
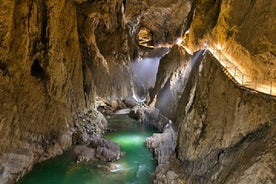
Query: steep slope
[226, 133]
[172, 76]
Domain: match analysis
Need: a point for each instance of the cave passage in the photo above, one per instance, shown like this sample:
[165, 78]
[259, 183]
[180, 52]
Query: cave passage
[135, 167]
[144, 75]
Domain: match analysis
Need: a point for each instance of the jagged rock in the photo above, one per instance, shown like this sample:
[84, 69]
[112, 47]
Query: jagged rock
[223, 127]
[130, 102]
[98, 149]
[149, 116]
[172, 77]
[163, 146]
[87, 126]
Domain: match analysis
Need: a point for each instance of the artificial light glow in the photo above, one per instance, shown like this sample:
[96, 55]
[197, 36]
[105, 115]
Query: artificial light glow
[219, 47]
[179, 41]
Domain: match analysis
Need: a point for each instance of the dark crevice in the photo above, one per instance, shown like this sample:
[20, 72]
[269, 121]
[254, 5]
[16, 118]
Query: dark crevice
[44, 26]
[190, 16]
[37, 71]
[3, 67]
[86, 65]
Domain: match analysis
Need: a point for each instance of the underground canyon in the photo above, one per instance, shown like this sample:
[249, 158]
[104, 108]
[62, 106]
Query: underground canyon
[195, 78]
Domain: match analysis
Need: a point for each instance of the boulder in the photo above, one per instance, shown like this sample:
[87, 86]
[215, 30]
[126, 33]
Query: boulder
[98, 149]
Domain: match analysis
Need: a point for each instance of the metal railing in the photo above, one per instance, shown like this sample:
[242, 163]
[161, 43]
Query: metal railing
[263, 85]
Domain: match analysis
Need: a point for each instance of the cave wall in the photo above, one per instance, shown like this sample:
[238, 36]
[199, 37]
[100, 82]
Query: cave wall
[171, 79]
[243, 30]
[40, 85]
[226, 132]
[165, 19]
[55, 58]
[105, 42]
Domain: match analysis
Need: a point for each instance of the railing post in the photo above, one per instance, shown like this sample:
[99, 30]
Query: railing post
[242, 78]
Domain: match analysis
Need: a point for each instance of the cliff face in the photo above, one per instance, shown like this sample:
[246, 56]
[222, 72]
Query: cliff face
[105, 47]
[171, 79]
[41, 69]
[226, 134]
[241, 29]
[55, 56]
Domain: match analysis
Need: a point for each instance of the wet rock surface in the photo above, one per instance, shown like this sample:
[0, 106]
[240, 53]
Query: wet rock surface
[163, 146]
[149, 116]
[98, 149]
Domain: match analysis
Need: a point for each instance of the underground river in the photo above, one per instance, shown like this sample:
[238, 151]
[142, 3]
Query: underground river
[135, 167]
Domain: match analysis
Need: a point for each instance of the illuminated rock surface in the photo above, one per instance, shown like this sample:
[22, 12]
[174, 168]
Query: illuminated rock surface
[57, 56]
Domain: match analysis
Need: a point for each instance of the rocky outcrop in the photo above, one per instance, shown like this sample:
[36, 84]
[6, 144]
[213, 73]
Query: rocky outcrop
[87, 126]
[149, 116]
[171, 79]
[98, 149]
[163, 146]
[226, 133]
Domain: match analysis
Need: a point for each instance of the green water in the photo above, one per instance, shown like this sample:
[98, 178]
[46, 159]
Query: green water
[134, 168]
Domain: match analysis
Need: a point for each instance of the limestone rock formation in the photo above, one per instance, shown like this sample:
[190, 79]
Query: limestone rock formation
[163, 146]
[226, 133]
[98, 149]
[171, 79]
[243, 30]
[165, 19]
[149, 116]
[87, 126]
[57, 56]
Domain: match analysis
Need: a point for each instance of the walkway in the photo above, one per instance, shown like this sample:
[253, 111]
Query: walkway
[267, 86]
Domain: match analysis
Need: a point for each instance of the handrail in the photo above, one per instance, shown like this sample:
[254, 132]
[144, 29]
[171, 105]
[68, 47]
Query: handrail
[256, 83]
[267, 86]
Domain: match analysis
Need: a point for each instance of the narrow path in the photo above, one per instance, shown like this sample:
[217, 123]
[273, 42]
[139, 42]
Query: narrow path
[267, 86]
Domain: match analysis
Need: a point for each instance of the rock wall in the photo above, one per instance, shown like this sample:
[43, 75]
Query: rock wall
[55, 57]
[173, 74]
[241, 29]
[226, 133]
[105, 46]
[165, 19]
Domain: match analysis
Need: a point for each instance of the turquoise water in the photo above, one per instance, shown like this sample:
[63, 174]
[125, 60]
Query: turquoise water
[134, 168]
